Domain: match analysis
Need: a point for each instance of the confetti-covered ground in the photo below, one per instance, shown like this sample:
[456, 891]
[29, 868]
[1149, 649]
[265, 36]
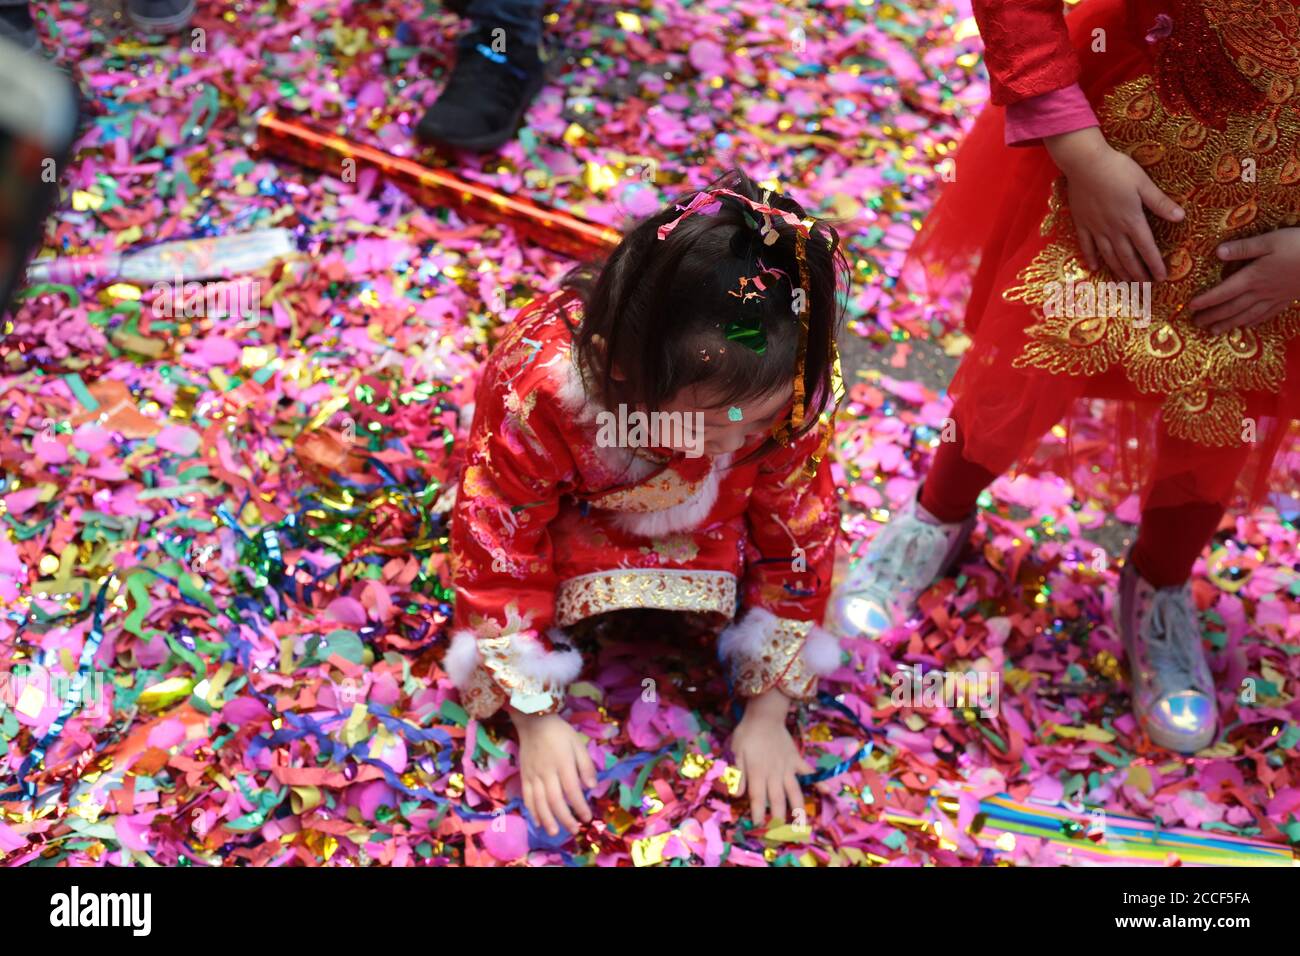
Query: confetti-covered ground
[233, 529]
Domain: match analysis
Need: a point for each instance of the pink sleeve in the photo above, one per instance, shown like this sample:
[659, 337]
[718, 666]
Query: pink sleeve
[1060, 111]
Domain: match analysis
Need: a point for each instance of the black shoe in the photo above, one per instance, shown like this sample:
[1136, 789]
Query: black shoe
[17, 26]
[160, 16]
[486, 95]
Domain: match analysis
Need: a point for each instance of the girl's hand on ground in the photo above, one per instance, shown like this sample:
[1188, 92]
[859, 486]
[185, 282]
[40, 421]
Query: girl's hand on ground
[767, 758]
[1108, 191]
[554, 766]
[1257, 292]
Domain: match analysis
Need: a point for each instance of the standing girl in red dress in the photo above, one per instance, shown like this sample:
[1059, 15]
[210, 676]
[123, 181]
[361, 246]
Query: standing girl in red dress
[1129, 223]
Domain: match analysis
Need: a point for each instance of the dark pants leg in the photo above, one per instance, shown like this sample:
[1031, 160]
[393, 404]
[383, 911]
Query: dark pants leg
[521, 20]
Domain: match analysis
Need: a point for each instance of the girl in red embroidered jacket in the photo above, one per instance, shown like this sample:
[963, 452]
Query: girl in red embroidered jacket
[1124, 218]
[649, 436]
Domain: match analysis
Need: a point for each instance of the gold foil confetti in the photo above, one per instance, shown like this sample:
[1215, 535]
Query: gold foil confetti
[165, 693]
[649, 851]
[732, 778]
[695, 766]
[628, 21]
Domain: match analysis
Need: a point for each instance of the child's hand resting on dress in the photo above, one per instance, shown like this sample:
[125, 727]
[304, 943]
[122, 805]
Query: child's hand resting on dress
[767, 758]
[554, 767]
[1266, 287]
[1108, 191]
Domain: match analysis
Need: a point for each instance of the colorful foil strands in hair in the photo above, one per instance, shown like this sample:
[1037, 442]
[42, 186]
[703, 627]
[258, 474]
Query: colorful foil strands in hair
[707, 202]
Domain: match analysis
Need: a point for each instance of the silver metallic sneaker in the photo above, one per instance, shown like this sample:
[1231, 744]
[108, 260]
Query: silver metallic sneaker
[1170, 681]
[909, 554]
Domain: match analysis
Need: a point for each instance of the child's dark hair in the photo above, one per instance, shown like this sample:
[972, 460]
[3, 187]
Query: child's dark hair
[663, 307]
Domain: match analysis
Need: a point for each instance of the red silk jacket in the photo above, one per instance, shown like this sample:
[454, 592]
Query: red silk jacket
[551, 527]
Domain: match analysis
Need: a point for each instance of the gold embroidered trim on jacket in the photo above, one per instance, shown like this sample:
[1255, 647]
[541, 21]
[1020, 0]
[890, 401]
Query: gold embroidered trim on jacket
[481, 697]
[665, 490]
[503, 649]
[663, 588]
[778, 662]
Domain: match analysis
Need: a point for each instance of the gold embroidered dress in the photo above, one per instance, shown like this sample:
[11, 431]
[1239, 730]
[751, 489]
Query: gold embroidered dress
[1205, 97]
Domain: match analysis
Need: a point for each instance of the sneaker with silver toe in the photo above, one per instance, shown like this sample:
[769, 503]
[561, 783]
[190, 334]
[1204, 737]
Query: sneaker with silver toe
[1170, 681]
[908, 555]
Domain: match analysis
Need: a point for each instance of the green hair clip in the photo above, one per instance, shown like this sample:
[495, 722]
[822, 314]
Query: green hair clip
[749, 334]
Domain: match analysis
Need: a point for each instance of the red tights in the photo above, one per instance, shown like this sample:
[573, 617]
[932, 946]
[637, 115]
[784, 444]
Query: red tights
[1170, 537]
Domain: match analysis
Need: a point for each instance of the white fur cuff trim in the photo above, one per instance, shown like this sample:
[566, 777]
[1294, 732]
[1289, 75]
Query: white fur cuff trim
[527, 658]
[743, 639]
[461, 658]
[762, 650]
[821, 652]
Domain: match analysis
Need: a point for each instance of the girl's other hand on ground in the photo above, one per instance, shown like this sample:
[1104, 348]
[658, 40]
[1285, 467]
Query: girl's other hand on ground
[768, 758]
[554, 767]
[1108, 191]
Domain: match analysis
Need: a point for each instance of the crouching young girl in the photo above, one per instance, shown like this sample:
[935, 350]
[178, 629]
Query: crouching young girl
[651, 435]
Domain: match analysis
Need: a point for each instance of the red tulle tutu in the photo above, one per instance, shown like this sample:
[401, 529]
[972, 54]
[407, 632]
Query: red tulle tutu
[1189, 418]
